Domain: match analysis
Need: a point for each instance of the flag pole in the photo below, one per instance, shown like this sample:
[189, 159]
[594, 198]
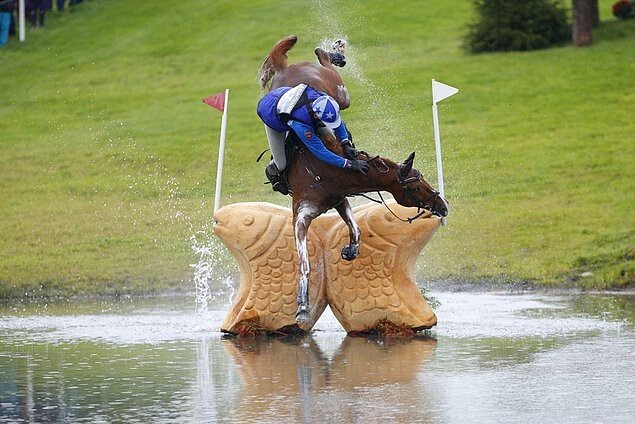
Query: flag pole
[440, 91]
[221, 153]
[21, 23]
[437, 146]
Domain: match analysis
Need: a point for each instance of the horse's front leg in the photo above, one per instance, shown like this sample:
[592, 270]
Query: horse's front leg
[303, 216]
[351, 251]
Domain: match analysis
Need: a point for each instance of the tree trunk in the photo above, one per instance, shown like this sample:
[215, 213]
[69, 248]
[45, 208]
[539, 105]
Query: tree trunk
[582, 22]
[595, 13]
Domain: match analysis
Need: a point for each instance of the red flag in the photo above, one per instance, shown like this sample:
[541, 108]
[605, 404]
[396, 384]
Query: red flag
[216, 101]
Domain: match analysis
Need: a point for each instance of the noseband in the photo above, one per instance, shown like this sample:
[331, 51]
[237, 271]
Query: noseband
[410, 192]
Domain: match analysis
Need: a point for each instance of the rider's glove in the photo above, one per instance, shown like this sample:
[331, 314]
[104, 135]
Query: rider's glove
[356, 165]
[349, 150]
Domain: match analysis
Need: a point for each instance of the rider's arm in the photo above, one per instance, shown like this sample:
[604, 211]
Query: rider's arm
[341, 133]
[307, 134]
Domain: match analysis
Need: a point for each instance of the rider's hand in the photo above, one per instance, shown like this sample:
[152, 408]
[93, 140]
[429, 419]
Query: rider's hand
[360, 166]
[349, 151]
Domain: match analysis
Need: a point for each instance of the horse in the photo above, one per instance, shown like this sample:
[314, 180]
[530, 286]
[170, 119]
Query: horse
[274, 72]
[317, 187]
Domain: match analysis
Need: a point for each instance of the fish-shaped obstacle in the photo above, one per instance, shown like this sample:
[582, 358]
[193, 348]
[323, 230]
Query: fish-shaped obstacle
[260, 237]
[376, 288]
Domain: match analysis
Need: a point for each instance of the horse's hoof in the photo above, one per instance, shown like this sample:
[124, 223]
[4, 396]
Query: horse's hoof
[350, 252]
[302, 316]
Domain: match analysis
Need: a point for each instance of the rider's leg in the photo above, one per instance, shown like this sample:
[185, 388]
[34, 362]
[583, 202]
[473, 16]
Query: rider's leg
[276, 144]
[279, 161]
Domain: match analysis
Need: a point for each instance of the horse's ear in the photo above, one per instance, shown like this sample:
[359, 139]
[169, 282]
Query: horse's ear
[407, 165]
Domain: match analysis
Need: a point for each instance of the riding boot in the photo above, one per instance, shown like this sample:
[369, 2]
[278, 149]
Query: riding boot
[273, 175]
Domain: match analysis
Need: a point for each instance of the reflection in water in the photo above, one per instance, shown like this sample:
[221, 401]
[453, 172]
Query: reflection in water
[493, 358]
[295, 378]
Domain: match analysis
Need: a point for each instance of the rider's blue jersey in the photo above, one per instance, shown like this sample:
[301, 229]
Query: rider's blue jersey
[301, 123]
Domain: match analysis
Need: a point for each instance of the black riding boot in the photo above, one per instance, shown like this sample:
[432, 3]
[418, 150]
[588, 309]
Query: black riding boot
[273, 175]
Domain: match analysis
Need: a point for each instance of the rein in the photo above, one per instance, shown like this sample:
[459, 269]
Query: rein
[308, 168]
[381, 166]
[421, 208]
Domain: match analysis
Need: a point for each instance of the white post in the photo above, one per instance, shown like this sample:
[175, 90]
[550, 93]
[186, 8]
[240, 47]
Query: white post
[21, 15]
[221, 153]
[437, 146]
[440, 91]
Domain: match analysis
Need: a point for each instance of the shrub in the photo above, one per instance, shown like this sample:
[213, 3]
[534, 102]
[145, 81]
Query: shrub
[623, 9]
[504, 25]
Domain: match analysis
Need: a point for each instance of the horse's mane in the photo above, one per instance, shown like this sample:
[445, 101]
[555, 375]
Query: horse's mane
[275, 61]
[331, 143]
[369, 157]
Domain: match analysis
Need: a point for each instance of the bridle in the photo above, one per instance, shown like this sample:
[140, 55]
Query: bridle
[408, 191]
[405, 183]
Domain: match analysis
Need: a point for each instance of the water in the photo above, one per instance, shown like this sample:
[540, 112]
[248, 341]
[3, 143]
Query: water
[492, 358]
[209, 280]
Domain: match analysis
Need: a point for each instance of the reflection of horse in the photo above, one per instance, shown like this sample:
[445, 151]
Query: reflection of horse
[317, 186]
[296, 378]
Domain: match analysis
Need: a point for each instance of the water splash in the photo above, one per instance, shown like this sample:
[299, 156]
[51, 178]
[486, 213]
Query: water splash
[210, 280]
[390, 135]
[147, 177]
[371, 101]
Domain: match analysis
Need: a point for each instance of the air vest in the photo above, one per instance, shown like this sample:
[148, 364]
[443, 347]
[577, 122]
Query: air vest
[278, 106]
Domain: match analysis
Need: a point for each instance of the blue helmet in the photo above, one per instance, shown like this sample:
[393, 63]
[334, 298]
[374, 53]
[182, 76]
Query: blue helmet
[327, 110]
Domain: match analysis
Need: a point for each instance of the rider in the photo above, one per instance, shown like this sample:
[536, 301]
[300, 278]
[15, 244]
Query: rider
[305, 111]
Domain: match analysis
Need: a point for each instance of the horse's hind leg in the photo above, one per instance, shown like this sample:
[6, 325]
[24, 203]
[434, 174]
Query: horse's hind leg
[351, 251]
[303, 216]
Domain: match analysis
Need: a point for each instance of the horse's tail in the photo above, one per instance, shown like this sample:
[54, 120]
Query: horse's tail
[276, 60]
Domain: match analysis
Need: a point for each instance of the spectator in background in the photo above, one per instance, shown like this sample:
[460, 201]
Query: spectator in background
[36, 11]
[6, 11]
[30, 12]
[60, 5]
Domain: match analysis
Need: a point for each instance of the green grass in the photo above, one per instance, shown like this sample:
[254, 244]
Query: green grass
[107, 154]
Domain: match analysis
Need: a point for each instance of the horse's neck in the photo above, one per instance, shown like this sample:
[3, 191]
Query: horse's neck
[382, 176]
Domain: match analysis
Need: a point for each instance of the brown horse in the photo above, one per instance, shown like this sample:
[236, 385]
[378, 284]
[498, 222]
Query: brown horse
[322, 76]
[317, 186]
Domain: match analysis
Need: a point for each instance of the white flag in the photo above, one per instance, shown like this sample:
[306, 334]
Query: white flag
[442, 91]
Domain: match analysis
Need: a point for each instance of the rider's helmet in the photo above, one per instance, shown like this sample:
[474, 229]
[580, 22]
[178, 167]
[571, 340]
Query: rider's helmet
[327, 110]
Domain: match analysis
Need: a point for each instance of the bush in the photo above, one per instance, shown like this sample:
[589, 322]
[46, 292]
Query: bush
[504, 25]
[623, 9]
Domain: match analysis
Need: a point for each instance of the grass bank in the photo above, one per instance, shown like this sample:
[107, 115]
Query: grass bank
[107, 154]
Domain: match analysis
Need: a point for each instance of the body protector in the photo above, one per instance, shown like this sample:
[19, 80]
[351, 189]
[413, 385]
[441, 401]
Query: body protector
[295, 109]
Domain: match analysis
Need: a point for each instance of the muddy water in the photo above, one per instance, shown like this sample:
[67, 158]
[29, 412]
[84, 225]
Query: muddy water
[492, 358]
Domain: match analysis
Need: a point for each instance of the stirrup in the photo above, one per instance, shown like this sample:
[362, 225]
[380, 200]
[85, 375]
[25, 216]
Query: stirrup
[276, 182]
[280, 187]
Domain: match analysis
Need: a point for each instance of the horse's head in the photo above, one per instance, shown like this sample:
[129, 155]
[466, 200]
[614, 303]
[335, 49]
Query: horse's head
[414, 191]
